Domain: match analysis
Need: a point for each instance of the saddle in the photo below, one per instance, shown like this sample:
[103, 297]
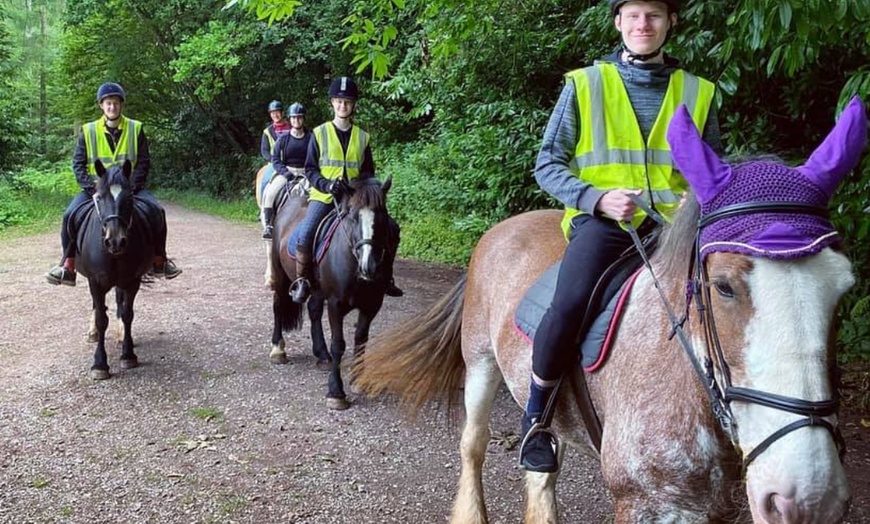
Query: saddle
[322, 238]
[601, 316]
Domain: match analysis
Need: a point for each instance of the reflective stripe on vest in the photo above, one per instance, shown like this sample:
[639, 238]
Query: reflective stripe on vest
[334, 161]
[97, 145]
[611, 153]
[272, 137]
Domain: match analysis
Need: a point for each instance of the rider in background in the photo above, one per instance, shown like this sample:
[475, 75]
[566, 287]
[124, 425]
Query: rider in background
[288, 159]
[113, 138]
[340, 151]
[605, 143]
[273, 131]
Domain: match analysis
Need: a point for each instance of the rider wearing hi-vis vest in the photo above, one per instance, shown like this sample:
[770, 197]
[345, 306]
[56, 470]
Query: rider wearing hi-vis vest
[620, 158]
[112, 139]
[339, 152]
[98, 148]
[605, 158]
[334, 161]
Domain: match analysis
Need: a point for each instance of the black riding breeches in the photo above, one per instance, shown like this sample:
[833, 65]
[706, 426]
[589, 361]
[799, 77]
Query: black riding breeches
[67, 238]
[594, 244]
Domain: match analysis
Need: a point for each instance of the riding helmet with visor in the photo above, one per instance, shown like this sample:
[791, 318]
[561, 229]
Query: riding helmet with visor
[296, 109]
[110, 89]
[344, 87]
[615, 5]
[275, 105]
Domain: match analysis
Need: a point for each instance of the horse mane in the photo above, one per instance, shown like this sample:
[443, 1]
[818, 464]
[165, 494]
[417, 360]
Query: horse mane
[367, 194]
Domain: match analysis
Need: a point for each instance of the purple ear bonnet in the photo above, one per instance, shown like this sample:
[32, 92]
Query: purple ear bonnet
[783, 235]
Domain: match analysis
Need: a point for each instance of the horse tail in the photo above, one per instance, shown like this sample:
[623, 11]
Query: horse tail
[419, 360]
[289, 313]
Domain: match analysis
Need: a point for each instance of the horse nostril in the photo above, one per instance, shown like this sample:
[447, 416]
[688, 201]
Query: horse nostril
[123, 243]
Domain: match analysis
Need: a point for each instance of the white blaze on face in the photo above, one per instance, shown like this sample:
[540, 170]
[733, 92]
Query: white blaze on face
[115, 189]
[367, 227]
[786, 354]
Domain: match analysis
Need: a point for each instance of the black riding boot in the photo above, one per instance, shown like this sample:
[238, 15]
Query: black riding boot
[538, 447]
[300, 290]
[268, 216]
[389, 258]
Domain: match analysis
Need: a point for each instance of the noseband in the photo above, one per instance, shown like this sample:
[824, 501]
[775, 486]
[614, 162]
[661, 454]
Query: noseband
[721, 391]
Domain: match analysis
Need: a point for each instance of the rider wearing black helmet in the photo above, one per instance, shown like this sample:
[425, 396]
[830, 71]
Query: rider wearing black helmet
[273, 131]
[113, 138]
[605, 145]
[349, 155]
[288, 159]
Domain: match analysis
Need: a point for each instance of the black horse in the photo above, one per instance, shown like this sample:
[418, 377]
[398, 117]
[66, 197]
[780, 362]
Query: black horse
[350, 275]
[115, 248]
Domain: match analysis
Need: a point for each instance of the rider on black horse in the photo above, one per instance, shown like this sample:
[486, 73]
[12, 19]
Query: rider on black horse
[112, 139]
[340, 151]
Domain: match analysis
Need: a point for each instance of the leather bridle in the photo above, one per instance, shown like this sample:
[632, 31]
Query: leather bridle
[720, 390]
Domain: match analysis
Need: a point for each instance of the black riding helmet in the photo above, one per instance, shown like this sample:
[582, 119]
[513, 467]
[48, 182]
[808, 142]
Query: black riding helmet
[343, 87]
[275, 105]
[110, 89]
[673, 5]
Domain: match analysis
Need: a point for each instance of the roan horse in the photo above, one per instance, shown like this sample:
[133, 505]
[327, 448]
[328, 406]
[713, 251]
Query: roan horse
[349, 276]
[761, 262]
[115, 249]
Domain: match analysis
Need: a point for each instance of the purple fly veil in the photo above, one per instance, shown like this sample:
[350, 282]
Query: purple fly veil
[772, 235]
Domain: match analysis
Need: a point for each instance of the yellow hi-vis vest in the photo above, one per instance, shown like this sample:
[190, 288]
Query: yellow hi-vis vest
[97, 145]
[272, 135]
[334, 161]
[611, 153]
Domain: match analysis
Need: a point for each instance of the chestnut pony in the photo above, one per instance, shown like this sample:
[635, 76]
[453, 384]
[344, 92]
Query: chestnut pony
[743, 396]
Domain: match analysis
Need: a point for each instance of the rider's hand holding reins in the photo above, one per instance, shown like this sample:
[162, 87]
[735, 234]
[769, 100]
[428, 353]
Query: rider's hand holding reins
[617, 204]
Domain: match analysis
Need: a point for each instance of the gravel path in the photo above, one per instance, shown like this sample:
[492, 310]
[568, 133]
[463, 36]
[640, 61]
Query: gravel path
[207, 431]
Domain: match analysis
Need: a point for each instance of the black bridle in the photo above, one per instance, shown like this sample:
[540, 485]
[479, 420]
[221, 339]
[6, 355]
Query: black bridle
[104, 220]
[721, 391]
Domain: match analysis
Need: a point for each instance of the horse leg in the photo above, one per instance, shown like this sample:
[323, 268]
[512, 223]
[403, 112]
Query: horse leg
[126, 298]
[100, 369]
[268, 275]
[336, 399]
[481, 385]
[318, 341]
[119, 323]
[541, 495]
[280, 301]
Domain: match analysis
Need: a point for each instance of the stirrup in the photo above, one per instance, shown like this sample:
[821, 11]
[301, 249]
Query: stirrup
[538, 427]
[267, 233]
[300, 290]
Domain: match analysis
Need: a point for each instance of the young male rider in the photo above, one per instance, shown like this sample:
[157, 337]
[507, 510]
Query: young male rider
[113, 138]
[347, 154]
[288, 159]
[604, 144]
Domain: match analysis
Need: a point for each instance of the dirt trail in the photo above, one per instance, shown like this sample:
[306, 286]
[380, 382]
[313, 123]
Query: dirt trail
[206, 430]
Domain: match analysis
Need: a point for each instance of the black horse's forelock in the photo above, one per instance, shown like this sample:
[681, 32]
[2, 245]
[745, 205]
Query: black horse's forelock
[114, 175]
[367, 194]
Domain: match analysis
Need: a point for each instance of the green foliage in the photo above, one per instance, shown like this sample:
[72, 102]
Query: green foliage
[35, 197]
[238, 209]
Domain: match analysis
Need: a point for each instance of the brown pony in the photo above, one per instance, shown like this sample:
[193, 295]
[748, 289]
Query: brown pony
[673, 447]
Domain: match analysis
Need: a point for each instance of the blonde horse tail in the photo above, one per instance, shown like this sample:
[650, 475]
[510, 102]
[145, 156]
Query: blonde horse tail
[419, 360]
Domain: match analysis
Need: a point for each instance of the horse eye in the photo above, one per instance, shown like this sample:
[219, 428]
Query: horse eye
[724, 289]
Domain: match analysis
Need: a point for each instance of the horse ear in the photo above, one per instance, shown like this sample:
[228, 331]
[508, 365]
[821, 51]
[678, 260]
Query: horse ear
[841, 150]
[387, 183]
[100, 168]
[127, 169]
[699, 164]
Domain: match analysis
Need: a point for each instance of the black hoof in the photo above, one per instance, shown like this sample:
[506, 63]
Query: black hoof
[337, 404]
[129, 363]
[99, 374]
